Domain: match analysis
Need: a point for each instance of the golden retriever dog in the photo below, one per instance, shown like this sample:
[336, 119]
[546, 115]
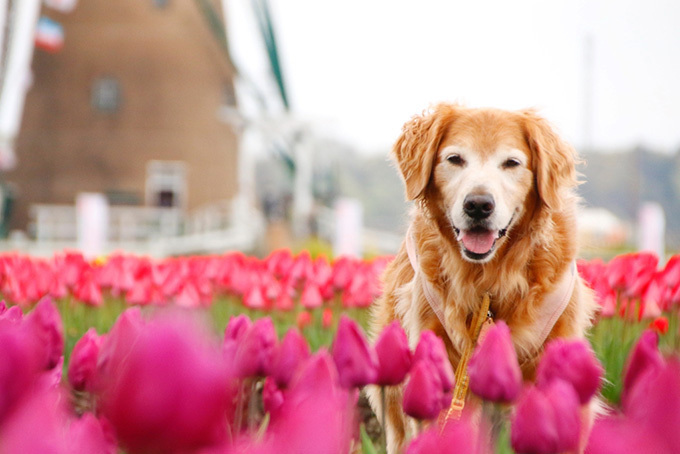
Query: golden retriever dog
[494, 213]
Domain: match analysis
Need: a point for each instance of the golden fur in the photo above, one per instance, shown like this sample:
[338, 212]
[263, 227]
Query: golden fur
[526, 264]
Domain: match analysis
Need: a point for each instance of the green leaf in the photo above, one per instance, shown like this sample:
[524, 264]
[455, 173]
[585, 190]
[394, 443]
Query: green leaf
[366, 443]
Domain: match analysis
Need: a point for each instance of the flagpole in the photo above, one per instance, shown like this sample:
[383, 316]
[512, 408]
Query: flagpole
[17, 69]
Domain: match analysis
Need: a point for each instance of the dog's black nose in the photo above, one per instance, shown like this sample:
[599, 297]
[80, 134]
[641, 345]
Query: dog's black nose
[479, 206]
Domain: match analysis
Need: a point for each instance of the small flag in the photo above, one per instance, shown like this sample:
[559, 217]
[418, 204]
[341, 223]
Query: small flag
[49, 35]
[63, 6]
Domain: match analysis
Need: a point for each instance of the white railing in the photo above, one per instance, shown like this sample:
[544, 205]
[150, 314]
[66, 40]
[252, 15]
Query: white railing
[159, 232]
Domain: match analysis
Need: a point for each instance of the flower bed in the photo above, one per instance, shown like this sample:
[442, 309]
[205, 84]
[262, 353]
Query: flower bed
[161, 380]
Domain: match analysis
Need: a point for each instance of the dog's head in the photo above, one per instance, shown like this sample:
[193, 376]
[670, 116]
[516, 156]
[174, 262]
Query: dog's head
[486, 168]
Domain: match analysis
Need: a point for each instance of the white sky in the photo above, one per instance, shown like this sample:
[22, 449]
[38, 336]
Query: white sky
[364, 67]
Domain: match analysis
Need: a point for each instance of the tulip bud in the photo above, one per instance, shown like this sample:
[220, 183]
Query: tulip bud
[356, 362]
[423, 394]
[644, 357]
[574, 362]
[290, 354]
[256, 350]
[237, 327]
[493, 369]
[394, 355]
[546, 420]
[431, 348]
[83, 363]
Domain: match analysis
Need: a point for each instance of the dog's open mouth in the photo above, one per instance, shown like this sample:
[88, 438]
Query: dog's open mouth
[478, 242]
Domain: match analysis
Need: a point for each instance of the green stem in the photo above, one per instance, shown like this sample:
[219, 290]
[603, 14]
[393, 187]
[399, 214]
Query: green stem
[383, 420]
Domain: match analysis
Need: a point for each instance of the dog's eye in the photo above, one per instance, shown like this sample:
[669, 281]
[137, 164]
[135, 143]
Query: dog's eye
[455, 159]
[510, 163]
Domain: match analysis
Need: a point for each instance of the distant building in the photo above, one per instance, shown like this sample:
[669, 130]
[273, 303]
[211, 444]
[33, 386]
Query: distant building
[128, 108]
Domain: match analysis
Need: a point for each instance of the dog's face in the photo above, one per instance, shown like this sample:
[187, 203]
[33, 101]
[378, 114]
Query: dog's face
[486, 168]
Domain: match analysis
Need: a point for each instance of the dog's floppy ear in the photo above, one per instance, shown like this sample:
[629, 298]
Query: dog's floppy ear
[553, 160]
[416, 149]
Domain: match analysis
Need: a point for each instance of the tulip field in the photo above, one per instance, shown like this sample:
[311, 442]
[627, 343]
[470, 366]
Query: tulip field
[236, 354]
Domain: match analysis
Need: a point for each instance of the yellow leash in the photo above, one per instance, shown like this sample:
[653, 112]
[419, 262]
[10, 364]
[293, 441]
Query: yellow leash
[483, 319]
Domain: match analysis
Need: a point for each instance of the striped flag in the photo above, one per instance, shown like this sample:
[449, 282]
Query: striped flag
[49, 35]
[64, 6]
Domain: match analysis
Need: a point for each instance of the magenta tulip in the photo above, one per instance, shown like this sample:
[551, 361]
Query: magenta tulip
[572, 361]
[289, 356]
[356, 361]
[394, 355]
[493, 369]
[546, 420]
[256, 349]
[644, 357]
[168, 392]
[463, 434]
[423, 393]
[272, 397]
[88, 435]
[237, 327]
[431, 348]
[45, 324]
[619, 435]
[82, 366]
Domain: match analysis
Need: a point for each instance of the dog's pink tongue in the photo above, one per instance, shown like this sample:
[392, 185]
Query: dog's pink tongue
[478, 242]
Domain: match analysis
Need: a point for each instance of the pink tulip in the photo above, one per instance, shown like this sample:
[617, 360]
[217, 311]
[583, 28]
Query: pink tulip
[272, 397]
[574, 362]
[255, 351]
[546, 420]
[311, 297]
[463, 434]
[289, 356]
[354, 358]
[619, 435]
[88, 435]
[45, 324]
[13, 314]
[303, 320]
[644, 357]
[493, 369]
[82, 366]
[317, 415]
[237, 327]
[168, 392]
[423, 393]
[37, 425]
[19, 364]
[394, 355]
[431, 348]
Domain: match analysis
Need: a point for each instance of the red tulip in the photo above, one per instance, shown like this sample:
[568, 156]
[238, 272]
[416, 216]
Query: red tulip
[82, 366]
[423, 393]
[394, 355]
[546, 420]
[574, 362]
[493, 369]
[290, 355]
[431, 348]
[303, 319]
[327, 318]
[660, 325]
[354, 358]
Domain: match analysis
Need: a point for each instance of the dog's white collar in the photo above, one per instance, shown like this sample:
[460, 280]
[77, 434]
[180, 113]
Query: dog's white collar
[548, 313]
